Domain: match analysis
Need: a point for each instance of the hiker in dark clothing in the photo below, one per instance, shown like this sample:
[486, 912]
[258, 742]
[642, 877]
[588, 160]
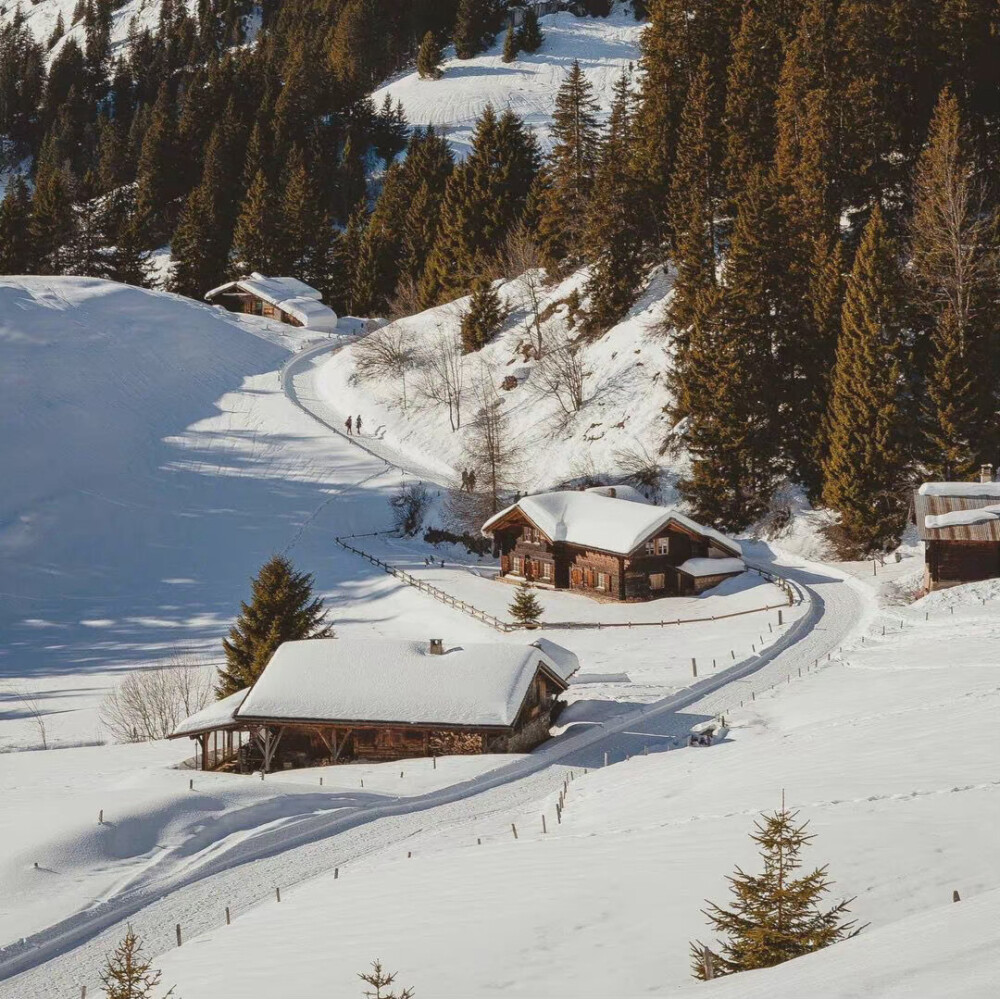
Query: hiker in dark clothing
[347, 423]
[357, 423]
[472, 480]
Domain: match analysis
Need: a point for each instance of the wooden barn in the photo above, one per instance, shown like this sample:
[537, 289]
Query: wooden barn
[285, 299]
[335, 700]
[959, 524]
[609, 542]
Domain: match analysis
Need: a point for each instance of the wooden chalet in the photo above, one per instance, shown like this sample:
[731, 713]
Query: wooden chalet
[285, 299]
[609, 542]
[959, 524]
[334, 700]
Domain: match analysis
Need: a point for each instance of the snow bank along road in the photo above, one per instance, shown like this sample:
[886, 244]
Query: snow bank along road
[244, 867]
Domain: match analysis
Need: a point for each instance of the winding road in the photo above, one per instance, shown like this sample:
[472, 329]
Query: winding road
[243, 868]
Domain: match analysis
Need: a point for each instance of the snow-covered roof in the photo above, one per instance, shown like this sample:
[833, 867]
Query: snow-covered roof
[963, 518]
[289, 294]
[216, 715]
[591, 520]
[712, 566]
[619, 492]
[384, 680]
[985, 489]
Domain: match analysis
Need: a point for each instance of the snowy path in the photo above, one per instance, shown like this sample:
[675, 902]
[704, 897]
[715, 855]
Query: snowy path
[242, 869]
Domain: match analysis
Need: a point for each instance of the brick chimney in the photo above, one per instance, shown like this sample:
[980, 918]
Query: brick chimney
[436, 647]
[985, 473]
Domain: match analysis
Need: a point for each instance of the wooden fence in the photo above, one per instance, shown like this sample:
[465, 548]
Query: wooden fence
[506, 626]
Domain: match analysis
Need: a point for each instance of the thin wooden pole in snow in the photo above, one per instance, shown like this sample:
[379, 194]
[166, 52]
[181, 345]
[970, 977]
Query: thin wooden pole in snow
[514, 829]
[544, 830]
[277, 892]
[178, 930]
[227, 916]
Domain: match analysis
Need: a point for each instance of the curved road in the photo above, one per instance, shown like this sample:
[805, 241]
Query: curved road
[243, 869]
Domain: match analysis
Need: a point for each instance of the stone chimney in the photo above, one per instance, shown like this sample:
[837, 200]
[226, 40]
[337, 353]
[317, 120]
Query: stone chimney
[436, 647]
[985, 473]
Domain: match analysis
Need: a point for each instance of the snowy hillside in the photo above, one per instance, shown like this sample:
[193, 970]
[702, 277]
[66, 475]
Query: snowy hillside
[888, 751]
[604, 47]
[621, 421]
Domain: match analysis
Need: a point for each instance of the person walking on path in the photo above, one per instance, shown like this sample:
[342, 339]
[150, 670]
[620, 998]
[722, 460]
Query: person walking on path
[357, 424]
[347, 424]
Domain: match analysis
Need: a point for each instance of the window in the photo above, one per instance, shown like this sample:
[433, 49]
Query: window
[657, 580]
[663, 546]
[547, 571]
[518, 565]
[528, 534]
[602, 580]
[650, 548]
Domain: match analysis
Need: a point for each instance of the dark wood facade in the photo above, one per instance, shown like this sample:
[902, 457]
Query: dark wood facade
[254, 305]
[651, 571]
[951, 562]
[964, 551]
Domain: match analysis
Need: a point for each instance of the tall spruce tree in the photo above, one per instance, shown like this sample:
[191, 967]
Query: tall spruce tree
[53, 219]
[429, 58]
[158, 170]
[253, 236]
[473, 23]
[954, 271]
[510, 43]
[530, 36]
[866, 463]
[281, 609]
[570, 169]
[613, 236]
[733, 374]
[17, 249]
[776, 915]
[483, 318]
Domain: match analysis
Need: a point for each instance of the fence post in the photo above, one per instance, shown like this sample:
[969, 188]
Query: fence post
[178, 929]
[694, 666]
[514, 829]
[227, 915]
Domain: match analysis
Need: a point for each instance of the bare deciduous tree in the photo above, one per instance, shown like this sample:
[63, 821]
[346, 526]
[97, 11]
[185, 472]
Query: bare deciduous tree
[490, 447]
[34, 711]
[149, 704]
[443, 378]
[521, 261]
[387, 353]
[639, 465]
[406, 300]
[409, 505]
[562, 374]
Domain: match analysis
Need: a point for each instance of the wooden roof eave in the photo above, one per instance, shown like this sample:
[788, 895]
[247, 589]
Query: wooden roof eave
[368, 723]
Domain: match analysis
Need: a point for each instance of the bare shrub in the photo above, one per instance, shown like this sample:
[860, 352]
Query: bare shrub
[521, 261]
[562, 375]
[387, 354]
[409, 506]
[406, 300]
[638, 465]
[149, 703]
[33, 708]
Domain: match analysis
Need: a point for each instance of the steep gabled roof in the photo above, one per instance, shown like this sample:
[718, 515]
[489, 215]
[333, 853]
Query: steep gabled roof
[289, 294]
[611, 524]
[958, 511]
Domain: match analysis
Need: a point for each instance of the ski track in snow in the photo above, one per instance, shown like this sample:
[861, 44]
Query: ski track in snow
[242, 869]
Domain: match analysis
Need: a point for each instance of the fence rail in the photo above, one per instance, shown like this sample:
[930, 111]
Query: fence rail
[506, 626]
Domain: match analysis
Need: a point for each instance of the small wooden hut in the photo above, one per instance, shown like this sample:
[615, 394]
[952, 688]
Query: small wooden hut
[959, 524]
[609, 542]
[334, 700]
[285, 299]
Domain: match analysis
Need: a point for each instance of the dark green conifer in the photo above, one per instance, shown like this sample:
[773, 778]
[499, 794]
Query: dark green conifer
[483, 318]
[53, 220]
[776, 915]
[17, 249]
[429, 58]
[254, 236]
[531, 37]
[472, 27]
[281, 609]
[158, 170]
[525, 608]
[510, 43]
[866, 462]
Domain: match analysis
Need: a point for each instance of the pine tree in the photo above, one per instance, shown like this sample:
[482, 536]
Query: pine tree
[693, 195]
[613, 237]
[281, 609]
[254, 236]
[510, 43]
[472, 27]
[531, 37]
[378, 978]
[429, 58]
[866, 461]
[483, 318]
[127, 973]
[525, 608]
[954, 269]
[775, 916]
[53, 221]
[733, 378]
[157, 170]
[305, 228]
[570, 169]
[346, 251]
[17, 249]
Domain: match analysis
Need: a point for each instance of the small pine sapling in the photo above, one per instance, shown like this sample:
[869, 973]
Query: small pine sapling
[525, 608]
[483, 319]
[775, 916]
[429, 58]
[127, 974]
[378, 978]
[510, 43]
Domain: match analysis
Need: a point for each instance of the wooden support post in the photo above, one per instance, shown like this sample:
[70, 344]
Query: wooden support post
[732, 653]
[544, 830]
[227, 916]
[277, 892]
[178, 931]
[513, 829]
[694, 666]
[780, 622]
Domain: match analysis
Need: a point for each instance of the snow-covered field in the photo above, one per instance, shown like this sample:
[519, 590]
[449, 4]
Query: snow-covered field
[604, 47]
[889, 753]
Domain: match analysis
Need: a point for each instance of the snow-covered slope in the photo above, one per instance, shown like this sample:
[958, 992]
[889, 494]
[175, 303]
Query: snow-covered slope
[622, 419]
[604, 46]
[889, 751]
